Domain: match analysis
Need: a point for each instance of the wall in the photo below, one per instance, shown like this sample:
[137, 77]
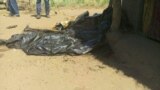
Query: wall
[134, 11]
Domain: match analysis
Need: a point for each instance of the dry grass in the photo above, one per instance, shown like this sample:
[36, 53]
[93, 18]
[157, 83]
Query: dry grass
[79, 2]
[62, 3]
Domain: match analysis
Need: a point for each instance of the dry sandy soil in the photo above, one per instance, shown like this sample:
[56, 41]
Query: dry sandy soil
[19, 71]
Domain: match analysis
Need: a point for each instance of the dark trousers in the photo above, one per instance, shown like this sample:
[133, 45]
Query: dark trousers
[13, 7]
[47, 7]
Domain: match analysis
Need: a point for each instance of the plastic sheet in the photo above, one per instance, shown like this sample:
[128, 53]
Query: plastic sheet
[80, 37]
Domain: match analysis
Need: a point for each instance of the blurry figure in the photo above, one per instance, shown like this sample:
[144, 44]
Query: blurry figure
[13, 8]
[38, 8]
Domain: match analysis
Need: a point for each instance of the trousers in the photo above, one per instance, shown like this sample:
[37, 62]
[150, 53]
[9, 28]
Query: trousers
[47, 7]
[13, 7]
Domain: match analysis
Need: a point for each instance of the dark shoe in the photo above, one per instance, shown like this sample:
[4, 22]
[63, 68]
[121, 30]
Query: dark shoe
[14, 15]
[17, 15]
[47, 16]
[38, 16]
[11, 15]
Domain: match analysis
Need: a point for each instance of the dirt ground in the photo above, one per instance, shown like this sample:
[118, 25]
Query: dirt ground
[19, 71]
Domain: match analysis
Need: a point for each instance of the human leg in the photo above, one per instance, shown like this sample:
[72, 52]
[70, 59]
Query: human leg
[13, 7]
[47, 7]
[38, 8]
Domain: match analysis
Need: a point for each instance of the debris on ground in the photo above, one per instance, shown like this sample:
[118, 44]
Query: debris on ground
[12, 26]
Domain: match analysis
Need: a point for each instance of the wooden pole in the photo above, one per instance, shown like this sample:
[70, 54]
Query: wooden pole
[116, 15]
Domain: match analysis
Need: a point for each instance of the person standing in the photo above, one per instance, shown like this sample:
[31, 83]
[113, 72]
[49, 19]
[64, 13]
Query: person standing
[13, 8]
[38, 8]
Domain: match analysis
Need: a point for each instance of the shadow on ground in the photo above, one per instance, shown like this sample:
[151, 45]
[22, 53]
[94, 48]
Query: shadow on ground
[137, 62]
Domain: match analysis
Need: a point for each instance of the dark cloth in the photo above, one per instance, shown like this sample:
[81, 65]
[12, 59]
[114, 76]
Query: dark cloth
[13, 7]
[47, 7]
